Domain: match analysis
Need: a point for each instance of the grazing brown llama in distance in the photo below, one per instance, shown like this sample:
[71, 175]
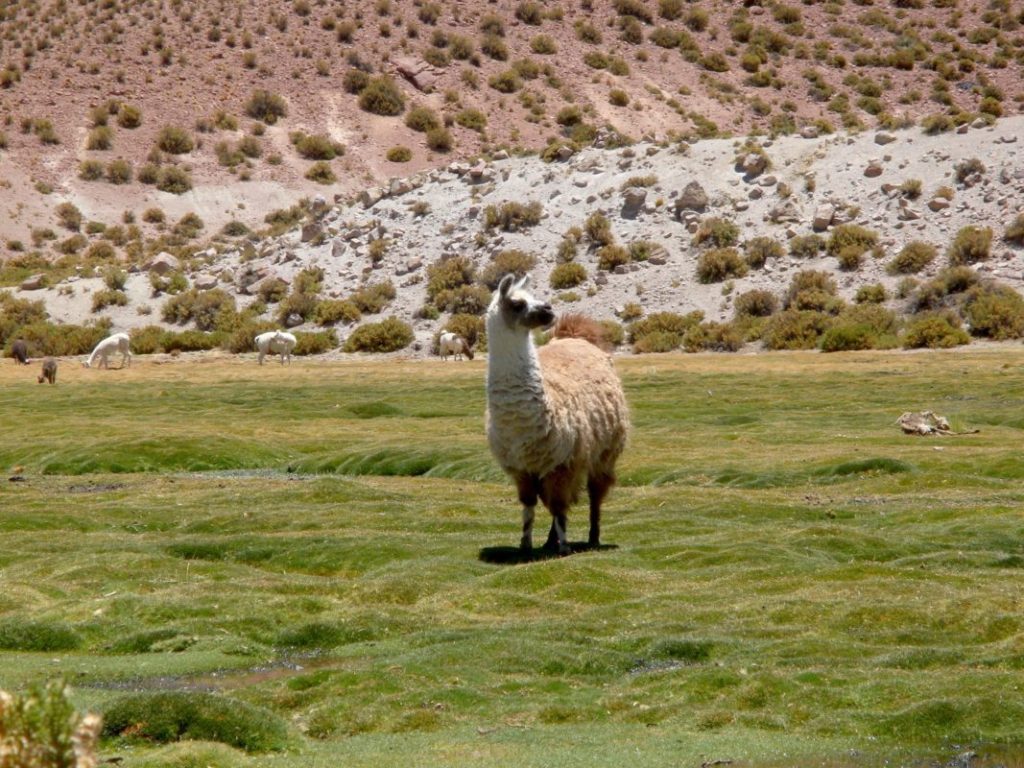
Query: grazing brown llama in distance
[556, 417]
[19, 351]
[49, 371]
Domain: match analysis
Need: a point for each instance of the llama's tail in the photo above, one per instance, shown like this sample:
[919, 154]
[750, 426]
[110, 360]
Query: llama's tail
[576, 326]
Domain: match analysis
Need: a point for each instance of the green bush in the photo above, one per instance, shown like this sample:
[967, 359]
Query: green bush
[662, 331]
[399, 155]
[759, 249]
[713, 337]
[611, 256]
[567, 275]
[266, 106]
[870, 294]
[795, 329]
[18, 634]
[173, 179]
[90, 170]
[372, 298]
[389, 335]
[719, 264]
[382, 96]
[272, 290]
[502, 263]
[912, 258]
[971, 245]
[512, 216]
[471, 118]
[64, 340]
[848, 337]
[108, 297]
[175, 140]
[851, 236]
[119, 172]
[317, 147]
[806, 246]
[355, 80]
[1015, 231]
[717, 232]
[206, 308]
[422, 119]
[806, 288]
[599, 229]
[175, 715]
[850, 257]
[936, 331]
[440, 139]
[332, 311]
[465, 299]
[321, 172]
[755, 303]
[449, 273]
[314, 343]
[129, 116]
[995, 311]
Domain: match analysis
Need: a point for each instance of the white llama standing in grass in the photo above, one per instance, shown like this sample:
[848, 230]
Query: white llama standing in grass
[556, 417]
[452, 344]
[276, 343]
[115, 342]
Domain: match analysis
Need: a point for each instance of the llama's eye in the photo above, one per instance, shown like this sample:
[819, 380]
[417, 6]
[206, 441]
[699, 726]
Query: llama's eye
[517, 304]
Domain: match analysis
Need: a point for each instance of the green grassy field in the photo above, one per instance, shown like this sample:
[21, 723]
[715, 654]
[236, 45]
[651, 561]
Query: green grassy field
[787, 579]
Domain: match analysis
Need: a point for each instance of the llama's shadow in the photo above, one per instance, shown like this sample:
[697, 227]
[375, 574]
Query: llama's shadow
[516, 556]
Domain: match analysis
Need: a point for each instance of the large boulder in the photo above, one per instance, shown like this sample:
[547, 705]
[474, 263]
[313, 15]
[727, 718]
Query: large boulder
[632, 201]
[163, 263]
[692, 198]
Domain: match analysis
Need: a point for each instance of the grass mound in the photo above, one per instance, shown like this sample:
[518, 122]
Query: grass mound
[186, 715]
[24, 635]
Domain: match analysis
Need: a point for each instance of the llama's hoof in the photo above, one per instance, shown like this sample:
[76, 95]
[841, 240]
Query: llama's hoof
[526, 546]
[564, 549]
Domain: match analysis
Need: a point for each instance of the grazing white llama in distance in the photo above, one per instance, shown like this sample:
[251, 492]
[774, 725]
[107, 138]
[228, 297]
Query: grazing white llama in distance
[115, 342]
[276, 343]
[49, 371]
[556, 417]
[453, 344]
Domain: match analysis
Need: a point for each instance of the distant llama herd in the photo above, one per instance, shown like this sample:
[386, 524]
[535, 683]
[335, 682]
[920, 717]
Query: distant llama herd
[557, 417]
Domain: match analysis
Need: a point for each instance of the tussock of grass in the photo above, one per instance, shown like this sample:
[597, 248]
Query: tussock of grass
[18, 634]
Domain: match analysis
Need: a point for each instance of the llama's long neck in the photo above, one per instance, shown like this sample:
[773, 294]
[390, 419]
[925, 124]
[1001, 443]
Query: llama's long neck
[513, 369]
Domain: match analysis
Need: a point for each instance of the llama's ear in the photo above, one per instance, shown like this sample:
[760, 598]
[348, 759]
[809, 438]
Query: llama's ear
[524, 282]
[505, 285]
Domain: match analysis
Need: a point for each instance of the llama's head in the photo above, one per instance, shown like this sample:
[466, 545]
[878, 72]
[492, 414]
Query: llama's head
[466, 349]
[517, 308]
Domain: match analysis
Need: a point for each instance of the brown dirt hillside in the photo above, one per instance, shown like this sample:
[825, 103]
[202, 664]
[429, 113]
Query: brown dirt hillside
[89, 83]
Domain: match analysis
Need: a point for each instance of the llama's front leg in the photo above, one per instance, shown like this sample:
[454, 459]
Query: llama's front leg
[559, 523]
[526, 485]
[597, 489]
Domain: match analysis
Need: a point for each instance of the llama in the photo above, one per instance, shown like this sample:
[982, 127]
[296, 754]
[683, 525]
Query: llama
[453, 344]
[556, 417]
[116, 342]
[19, 351]
[276, 343]
[49, 371]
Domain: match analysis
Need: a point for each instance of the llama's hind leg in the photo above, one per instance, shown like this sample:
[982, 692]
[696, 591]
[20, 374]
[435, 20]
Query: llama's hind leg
[597, 488]
[526, 485]
[555, 496]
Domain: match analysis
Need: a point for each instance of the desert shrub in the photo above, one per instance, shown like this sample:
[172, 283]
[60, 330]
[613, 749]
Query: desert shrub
[795, 329]
[108, 297]
[611, 256]
[272, 290]
[759, 249]
[63, 340]
[851, 236]
[321, 172]
[598, 229]
[502, 263]
[90, 170]
[810, 289]
[149, 173]
[422, 119]
[544, 45]
[333, 311]
[471, 118]
[314, 342]
[205, 308]
[1015, 231]
[318, 147]
[69, 216]
[719, 264]
[447, 274]
[965, 169]
[806, 246]
[399, 154]
[755, 303]
[642, 250]
[971, 244]
[713, 337]
[848, 337]
[389, 335]
[119, 171]
[505, 82]
[934, 330]
[618, 97]
[870, 294]
[382, 96]
[850, 257]
[372, 298]
[662, 331]
[512, 216]
[266, 106]
[355, 80]
[494, 47]
[465, 299]
[440, 139]
[912, 258]
[129, 116]
[995, 311]
[567, 275]
[173, 179]
[717, 232]
[175, 140]
[170, 716]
